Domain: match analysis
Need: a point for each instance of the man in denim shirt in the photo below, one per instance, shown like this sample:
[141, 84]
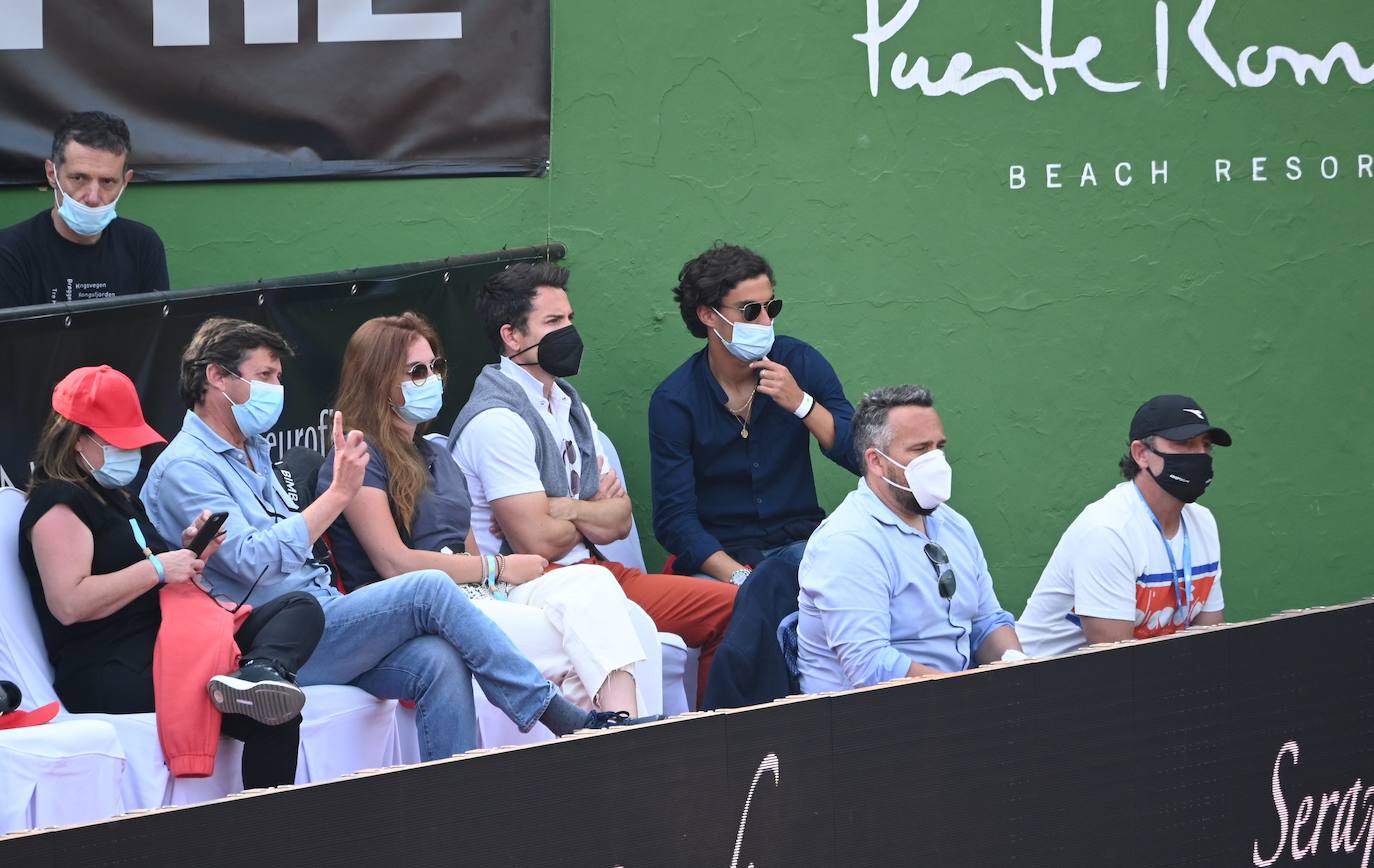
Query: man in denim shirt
[414, 636]
[894, 583]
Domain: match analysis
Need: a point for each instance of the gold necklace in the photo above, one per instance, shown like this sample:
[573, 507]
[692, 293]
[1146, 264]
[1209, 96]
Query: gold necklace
[741, 413]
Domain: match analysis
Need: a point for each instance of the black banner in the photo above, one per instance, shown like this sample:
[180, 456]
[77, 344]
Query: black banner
[143, 336]
[1249, 745]
[282, 88]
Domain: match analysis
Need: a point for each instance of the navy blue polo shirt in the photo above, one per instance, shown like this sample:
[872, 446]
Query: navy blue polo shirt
[716, 491]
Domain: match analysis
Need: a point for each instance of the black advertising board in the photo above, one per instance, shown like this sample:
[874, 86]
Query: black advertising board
[1247, 745]
[257, 89]
[144, 335]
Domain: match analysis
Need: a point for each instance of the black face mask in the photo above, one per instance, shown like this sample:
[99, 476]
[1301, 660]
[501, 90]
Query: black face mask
[1185, 475]
[560, 352]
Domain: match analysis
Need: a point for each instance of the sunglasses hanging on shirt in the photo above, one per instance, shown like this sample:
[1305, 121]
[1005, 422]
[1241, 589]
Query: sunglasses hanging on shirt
[944, 573]
[574, 480]
[948, 584]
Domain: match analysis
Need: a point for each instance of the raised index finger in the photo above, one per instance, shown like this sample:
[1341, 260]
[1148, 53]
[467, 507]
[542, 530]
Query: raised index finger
[338, 431]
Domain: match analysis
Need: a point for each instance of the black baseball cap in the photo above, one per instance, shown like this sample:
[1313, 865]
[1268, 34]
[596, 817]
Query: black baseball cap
[1175, 417]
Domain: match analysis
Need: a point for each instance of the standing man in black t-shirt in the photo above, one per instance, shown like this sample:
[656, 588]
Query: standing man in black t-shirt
[79, 249]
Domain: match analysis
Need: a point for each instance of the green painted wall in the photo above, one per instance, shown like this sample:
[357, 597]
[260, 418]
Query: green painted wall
[1040, 317]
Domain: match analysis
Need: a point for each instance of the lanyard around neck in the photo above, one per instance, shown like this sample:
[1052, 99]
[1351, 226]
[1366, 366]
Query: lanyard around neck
[1182, 579]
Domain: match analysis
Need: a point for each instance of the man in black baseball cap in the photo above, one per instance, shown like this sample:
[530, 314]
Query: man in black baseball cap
[1145, 560]
[1177, 418]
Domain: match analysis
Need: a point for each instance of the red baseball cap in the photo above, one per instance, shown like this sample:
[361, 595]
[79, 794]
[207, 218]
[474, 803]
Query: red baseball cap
[105, 401]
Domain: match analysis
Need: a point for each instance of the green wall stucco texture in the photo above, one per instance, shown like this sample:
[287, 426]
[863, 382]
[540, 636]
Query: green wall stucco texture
[1040, 316]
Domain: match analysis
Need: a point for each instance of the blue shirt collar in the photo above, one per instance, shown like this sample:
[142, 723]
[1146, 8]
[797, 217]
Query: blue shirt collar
[703, 363]
[197, 428]
[255, 444]
[874, 506]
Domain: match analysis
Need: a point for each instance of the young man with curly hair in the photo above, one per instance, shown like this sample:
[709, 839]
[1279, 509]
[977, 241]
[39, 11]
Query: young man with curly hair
[730, 430]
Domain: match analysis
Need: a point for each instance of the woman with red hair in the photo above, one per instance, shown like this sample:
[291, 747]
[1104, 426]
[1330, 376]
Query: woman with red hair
[413, 513]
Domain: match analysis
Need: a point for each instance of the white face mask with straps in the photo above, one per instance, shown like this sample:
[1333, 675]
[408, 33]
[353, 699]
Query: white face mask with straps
[929, 477]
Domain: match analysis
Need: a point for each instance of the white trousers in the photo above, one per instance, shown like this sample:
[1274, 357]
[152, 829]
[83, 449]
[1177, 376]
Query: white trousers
[576, 626]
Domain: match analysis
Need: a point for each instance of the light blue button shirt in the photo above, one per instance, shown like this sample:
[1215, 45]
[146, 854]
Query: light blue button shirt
[870, 602]
[263, 538]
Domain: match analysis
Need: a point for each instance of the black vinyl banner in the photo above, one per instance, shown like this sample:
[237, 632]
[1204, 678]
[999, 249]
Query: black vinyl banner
[143, 336]
[1247, 745]
[256, 89]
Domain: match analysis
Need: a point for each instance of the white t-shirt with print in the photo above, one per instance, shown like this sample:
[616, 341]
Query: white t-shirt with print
[1111, 563]
[496, 454]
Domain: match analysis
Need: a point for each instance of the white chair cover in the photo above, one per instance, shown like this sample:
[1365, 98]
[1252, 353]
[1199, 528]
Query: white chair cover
[59, 773]
[344, 728]
[23, 658]
[625, 551]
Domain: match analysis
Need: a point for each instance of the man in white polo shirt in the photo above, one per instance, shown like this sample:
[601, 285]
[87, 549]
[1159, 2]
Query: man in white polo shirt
[1145, 560]
[532, 458]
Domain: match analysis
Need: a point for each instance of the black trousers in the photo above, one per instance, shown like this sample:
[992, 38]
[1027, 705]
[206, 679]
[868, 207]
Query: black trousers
[284, 631]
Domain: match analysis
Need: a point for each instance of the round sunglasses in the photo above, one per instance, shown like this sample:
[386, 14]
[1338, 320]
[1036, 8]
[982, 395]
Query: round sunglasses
[419, 372]
[752, 310]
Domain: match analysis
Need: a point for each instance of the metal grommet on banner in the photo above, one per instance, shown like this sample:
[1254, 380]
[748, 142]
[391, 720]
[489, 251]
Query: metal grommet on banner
[261, 298]
[166, 309]
[445, 277]
[353, 290]
[67, 323]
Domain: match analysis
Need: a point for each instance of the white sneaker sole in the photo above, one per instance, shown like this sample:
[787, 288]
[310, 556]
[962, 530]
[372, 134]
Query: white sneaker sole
[268, 702]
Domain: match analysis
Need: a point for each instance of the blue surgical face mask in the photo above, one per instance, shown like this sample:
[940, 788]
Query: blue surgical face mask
[752, 342]
[422, 402]
[119, 468]
[261, 411]
[83, 219]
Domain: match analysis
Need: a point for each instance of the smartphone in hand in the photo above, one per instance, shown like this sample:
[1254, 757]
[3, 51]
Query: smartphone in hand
[207, 532]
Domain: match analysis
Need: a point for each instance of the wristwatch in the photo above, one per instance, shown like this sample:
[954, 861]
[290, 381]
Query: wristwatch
[738, 576]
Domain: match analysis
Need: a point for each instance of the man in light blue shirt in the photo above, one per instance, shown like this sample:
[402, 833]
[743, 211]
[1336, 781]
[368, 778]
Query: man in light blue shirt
[415, 636]
[894, 583]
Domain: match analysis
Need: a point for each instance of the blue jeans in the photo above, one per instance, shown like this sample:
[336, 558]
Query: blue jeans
[418, 637]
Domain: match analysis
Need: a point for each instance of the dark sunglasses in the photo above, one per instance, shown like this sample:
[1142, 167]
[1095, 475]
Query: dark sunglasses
[752, 310]
[419, 372]
[574, 481]
[943, 572]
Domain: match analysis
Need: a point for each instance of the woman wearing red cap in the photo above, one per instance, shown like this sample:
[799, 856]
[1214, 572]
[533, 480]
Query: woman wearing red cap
[95, 566]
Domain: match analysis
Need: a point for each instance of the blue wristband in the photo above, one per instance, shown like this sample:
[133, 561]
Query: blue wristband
[161, 573]
[490, 562]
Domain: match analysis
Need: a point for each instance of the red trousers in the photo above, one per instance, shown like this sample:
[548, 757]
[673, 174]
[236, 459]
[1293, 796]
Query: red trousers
[698, 610]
